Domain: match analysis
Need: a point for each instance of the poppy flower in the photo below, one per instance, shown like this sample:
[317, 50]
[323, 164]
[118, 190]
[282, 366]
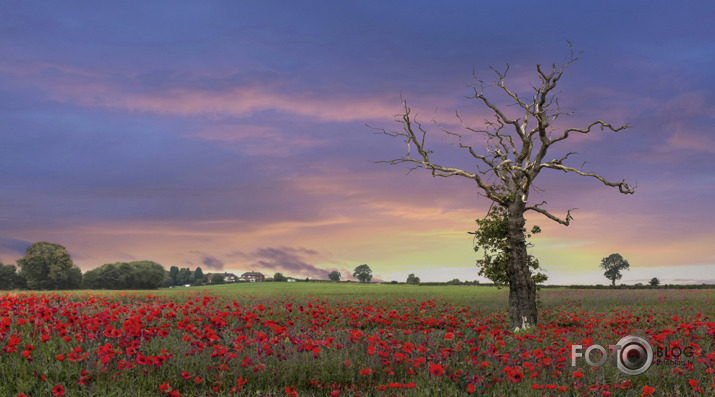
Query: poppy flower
[648, 391]
[58, 391]
[436, 369]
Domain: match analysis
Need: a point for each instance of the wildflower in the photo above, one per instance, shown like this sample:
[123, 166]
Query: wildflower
[436, 369]
[647, 391]
[578, 374]
[365, 371]
[58, 391]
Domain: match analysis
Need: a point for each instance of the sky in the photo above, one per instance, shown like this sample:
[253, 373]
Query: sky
[233, 135]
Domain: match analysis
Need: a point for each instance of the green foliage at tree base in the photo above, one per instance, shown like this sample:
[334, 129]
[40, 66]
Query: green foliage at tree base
[491, 237]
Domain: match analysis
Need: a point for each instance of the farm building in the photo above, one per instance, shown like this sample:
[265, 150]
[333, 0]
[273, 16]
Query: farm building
[253, 277]
[229, 277]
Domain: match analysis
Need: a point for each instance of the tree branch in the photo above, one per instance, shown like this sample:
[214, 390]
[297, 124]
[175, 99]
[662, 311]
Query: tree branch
[418, 140]
[622, 186]
[564, 222]
[603, 125]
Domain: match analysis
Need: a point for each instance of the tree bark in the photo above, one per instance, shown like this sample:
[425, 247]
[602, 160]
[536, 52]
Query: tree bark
[522, 289]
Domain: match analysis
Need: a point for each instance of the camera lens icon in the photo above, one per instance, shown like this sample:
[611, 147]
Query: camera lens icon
[635, 355]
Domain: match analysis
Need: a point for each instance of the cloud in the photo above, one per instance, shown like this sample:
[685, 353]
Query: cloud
[14, 245]
[290, 260]
[189, 95]
[212, 263]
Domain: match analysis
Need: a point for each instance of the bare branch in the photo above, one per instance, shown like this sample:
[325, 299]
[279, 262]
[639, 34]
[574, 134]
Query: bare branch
[603, 125]
[564, 222]
[417, 139]
[622, 186]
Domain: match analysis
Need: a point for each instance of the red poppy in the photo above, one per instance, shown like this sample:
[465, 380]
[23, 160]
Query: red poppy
[58, 391]
[436, 369]
[647, 390]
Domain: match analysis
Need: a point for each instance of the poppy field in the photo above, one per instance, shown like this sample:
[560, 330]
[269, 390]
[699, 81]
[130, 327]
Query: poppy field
[311, 339]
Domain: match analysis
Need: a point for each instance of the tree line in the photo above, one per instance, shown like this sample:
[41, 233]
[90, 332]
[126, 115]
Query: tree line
[48, 266]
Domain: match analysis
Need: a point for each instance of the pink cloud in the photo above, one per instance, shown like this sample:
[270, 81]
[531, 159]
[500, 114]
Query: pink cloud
[94, 89]
[690, 139]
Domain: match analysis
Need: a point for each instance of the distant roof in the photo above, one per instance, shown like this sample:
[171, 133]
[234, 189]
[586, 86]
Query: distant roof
[251, 274]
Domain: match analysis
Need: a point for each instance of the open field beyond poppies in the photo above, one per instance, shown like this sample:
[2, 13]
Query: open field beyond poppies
[322, 339]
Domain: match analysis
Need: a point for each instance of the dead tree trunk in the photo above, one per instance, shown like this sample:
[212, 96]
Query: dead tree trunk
[522, 290]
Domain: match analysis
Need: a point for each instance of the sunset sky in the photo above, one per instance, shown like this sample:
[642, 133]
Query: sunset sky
[232, 135]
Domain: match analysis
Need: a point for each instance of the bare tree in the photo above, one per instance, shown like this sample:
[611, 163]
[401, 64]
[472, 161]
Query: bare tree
[515, 154]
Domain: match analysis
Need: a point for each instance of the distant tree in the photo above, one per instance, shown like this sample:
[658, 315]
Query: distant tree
[92, 279]
[217, 278]
[613, 264]
[363, 273]
[412, 279]
[454, 282]
[198, 276]
[493, 238]
[279, 277]
[8, 277]
[148, 275]
[185, 276]
[334, 275]
[48, 266]
[654, 282]
[174, 274]
[126, 275]
[74, 278]
[167, 281]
